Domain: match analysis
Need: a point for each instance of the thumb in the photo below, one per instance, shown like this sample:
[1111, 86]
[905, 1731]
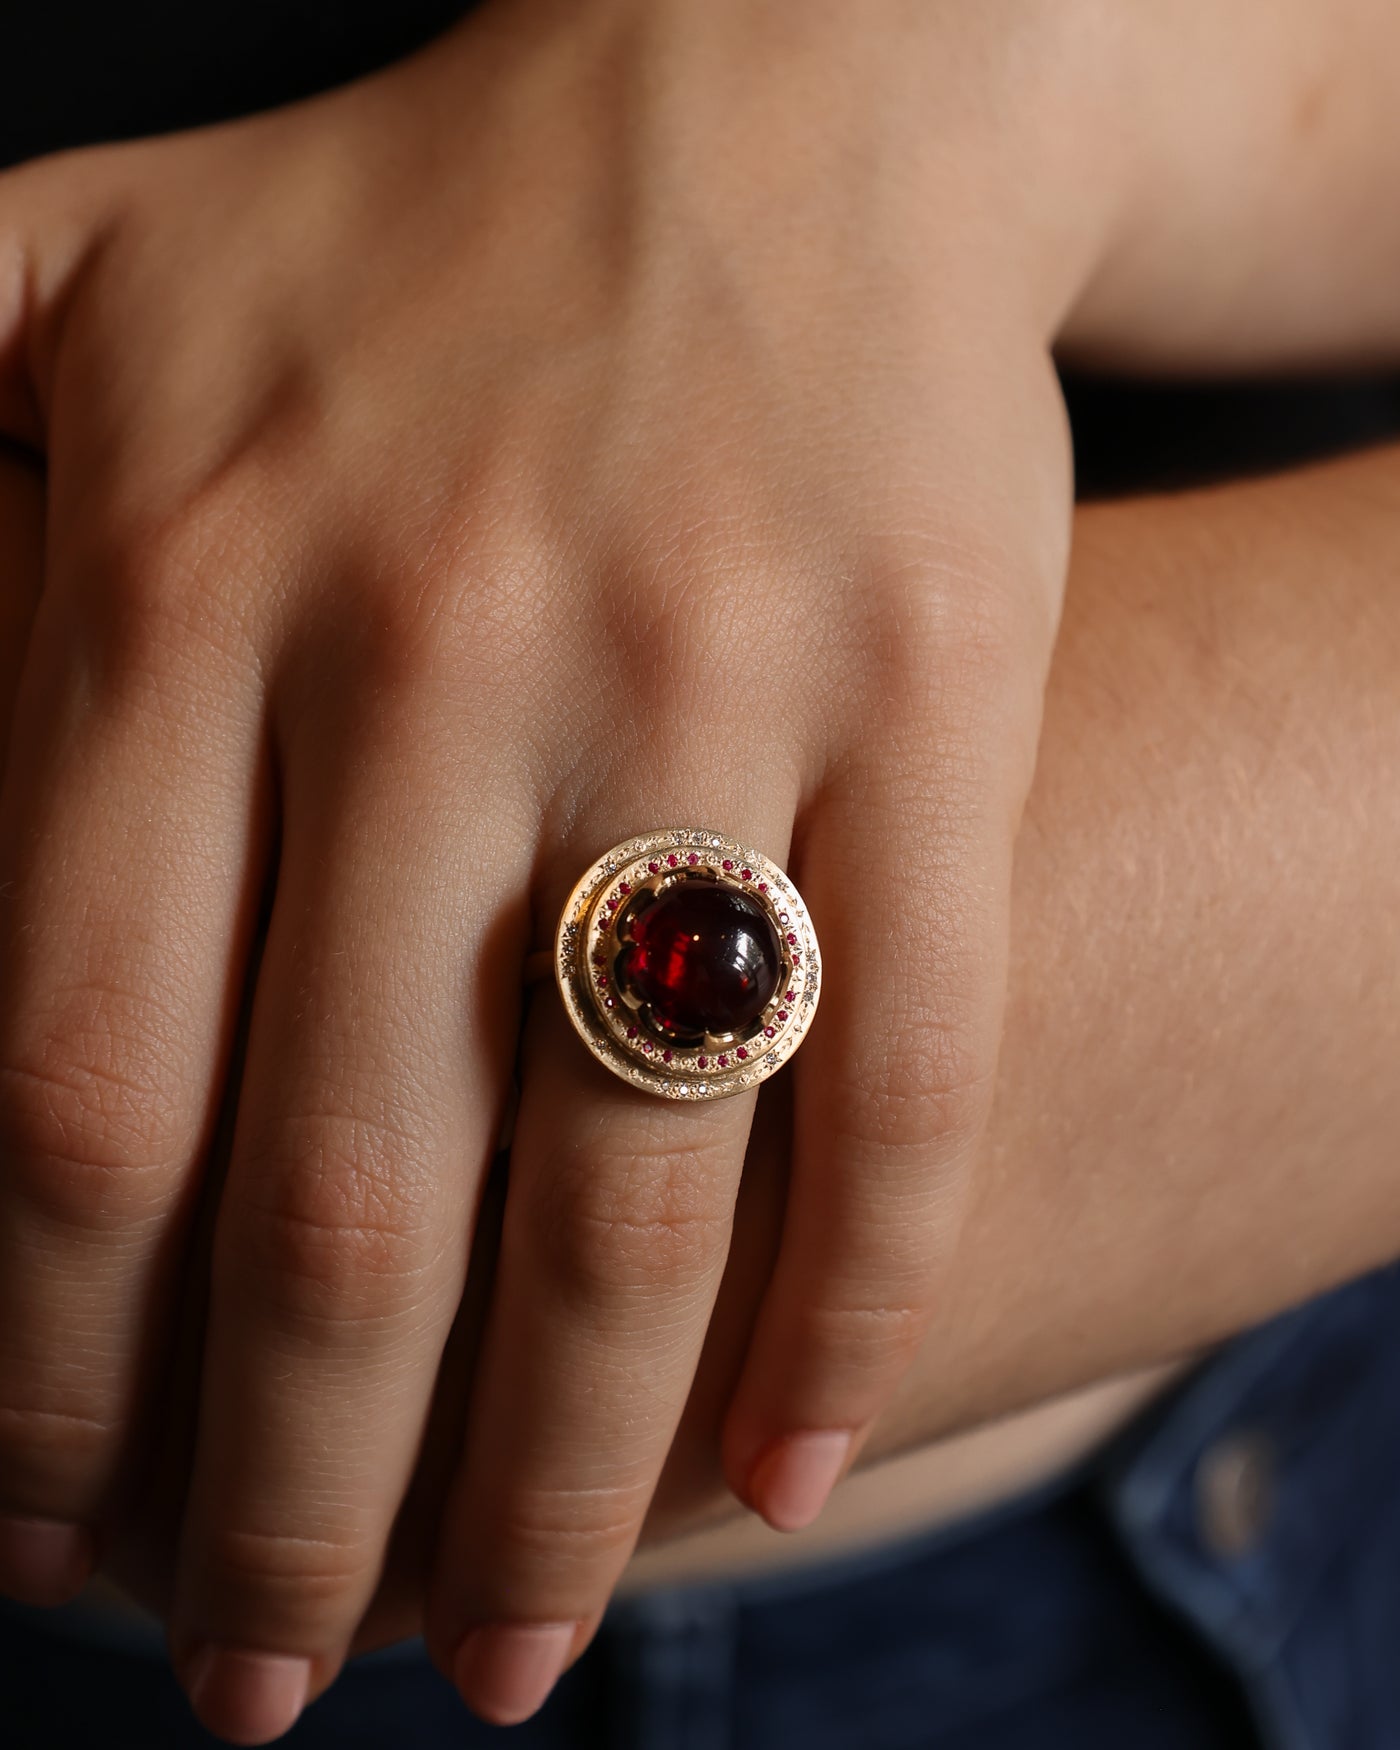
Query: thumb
[54, 215]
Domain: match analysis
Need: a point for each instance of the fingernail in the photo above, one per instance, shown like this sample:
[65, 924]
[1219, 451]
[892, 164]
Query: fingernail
[504, 1671]
[43, 1561]
[248, 1698]
[791, 1481]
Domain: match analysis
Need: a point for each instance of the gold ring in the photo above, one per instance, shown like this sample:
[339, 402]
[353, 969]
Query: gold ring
[687, 963]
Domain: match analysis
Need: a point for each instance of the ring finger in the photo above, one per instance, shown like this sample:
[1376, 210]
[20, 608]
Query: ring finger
[616, 1228]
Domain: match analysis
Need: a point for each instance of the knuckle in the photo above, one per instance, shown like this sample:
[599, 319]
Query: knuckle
[336, 1227]
[92, 1143]
[153, 599]
[866, 1334]
[49, 1453]
[946, 632]
[606, 1226]
[579, 1529]
[687, 649]
[281, 1567]
[420, 636]
[929, 1101]
[410, 635]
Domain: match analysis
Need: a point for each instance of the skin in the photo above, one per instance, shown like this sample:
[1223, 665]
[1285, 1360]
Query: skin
[418, 460]
[1170, 793]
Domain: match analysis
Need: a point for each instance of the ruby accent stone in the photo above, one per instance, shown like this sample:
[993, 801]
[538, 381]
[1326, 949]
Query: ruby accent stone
[769, 1032]
[666, 1056]
[703, 956]
[702, 1063]
[741, 1052]
[693, 858]
[746, 874]
[792, 938]
[791, 997]
[763, 887]
[782, 1014]
[672, 860]
[728, 863]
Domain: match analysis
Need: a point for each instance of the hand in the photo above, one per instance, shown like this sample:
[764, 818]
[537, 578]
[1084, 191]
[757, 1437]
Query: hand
[566, 432]
[1173, 1123]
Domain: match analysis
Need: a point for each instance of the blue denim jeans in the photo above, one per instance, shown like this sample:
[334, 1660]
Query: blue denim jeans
[1225, 1574]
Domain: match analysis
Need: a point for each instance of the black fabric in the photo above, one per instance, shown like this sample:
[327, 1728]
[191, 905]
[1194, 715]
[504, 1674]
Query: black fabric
[1130, 436]
[74, 73]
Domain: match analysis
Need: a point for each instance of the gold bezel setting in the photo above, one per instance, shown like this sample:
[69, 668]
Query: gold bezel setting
[615, 1024]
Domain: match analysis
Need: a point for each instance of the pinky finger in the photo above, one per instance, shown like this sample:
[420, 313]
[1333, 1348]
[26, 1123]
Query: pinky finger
[890, 1100]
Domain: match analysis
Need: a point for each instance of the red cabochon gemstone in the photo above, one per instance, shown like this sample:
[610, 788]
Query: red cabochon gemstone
[704, 957]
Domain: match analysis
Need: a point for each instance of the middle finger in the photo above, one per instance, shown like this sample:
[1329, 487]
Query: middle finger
[368, 1109]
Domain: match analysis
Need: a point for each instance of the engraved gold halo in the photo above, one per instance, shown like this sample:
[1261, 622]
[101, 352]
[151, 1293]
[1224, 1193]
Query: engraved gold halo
[613, 1021]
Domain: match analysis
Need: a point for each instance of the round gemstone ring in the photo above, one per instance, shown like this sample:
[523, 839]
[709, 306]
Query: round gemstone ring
[687, 963]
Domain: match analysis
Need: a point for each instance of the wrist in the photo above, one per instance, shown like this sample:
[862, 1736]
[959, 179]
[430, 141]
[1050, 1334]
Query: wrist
[977, 132]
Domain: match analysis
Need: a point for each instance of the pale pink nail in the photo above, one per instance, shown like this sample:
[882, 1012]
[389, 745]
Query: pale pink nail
[790, 1483]
[505, 1671]
[43, 1561]
[248, 1698]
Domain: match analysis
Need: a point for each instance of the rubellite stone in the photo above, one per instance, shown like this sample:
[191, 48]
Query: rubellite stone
[703, 956]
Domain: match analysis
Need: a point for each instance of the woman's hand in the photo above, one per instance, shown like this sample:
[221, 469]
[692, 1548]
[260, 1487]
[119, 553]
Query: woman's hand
[1141, 1190]
[620, 414]
[613, 417]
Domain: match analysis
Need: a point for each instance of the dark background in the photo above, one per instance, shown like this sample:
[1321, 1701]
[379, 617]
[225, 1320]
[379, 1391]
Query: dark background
[74, 73]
